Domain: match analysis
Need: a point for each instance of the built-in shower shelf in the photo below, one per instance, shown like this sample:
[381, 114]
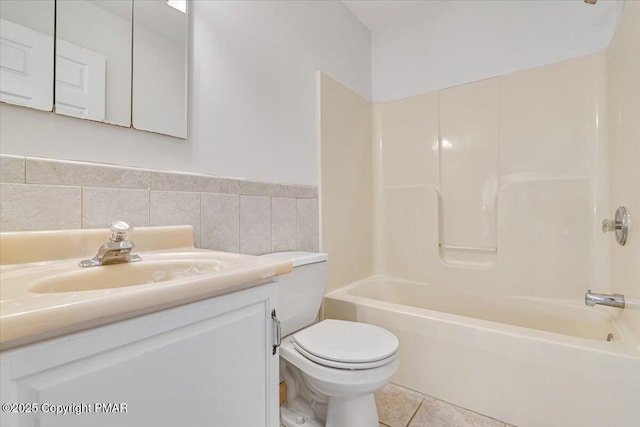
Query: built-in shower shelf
[468, 257]
[539, 176]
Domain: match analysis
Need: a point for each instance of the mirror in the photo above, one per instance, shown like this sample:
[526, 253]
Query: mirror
[26, 53]
[95, 75]
[93, 60]
[160, 66]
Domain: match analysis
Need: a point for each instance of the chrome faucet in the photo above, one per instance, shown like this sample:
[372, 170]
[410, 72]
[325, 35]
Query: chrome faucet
[117, 250]
[613, 300]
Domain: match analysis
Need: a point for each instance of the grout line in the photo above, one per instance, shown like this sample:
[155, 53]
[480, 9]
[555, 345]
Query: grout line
[297, 248]
[459, 408]
[239, 222]
[271, 224]
[81, 208]
[416, 411]
[295, 224]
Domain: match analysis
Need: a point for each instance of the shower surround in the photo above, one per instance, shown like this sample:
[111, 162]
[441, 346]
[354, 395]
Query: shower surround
[487, 200]
[500, 183]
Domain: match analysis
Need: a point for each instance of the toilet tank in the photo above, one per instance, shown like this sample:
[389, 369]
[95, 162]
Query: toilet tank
[300, 292]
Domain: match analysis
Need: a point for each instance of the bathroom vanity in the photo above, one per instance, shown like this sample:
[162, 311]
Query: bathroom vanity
[186, 349]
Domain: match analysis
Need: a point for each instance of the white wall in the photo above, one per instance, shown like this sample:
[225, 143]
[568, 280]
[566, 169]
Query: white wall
[255, 98]
[455, 42]
[252, 101]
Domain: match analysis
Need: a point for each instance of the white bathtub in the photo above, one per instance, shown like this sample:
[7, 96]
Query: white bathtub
[524, 361]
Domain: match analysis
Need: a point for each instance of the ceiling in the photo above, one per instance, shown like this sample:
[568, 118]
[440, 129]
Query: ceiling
[384, 14]
[423, 45]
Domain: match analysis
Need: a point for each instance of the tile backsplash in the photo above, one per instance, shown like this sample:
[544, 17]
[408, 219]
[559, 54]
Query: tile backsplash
[226, 214]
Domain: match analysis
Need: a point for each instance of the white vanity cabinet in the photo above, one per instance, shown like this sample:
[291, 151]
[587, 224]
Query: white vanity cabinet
[206, 363]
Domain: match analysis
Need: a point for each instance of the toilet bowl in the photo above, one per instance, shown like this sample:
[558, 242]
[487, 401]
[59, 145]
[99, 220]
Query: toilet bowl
[343, 374]
[332, 368]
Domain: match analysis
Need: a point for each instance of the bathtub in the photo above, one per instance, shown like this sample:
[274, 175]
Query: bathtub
[525, 361]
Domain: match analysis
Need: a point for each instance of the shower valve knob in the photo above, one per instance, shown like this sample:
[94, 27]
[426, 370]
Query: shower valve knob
[620, 225]
[608, 225]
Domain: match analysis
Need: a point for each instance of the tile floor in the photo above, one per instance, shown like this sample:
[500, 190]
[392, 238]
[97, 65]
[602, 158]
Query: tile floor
[401, 407]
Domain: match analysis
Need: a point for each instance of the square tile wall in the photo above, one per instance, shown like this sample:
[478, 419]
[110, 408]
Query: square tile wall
[220, 213]
[227, 214]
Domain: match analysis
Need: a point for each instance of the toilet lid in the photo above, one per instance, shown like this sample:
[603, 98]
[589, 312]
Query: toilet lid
[345, 365]
[346, 342]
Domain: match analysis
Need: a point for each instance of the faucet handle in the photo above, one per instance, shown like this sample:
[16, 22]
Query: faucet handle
[608, 225]
[120, 231]
[619, 225]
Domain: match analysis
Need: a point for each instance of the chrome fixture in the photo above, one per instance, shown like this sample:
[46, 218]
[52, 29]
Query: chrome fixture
[620, 225]
[117, 250]
[614, 300]
[278, 334]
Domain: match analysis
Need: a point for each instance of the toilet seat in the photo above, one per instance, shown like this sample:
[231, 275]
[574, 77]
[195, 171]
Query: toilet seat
[353, 380]
[344, 365]
[346, 345]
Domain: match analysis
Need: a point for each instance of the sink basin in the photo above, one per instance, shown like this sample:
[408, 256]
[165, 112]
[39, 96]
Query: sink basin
[123, 275]
[44, 293]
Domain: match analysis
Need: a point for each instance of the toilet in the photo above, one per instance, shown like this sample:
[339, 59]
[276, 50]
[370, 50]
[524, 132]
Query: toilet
[332, 367]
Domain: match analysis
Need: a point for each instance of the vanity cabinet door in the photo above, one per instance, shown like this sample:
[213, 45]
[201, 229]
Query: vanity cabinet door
[208, 363]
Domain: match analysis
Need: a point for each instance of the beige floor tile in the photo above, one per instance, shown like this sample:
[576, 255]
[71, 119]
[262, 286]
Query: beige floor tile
[436, 413]
[396, 405]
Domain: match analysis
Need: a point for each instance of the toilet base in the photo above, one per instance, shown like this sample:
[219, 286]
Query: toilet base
[327, 396]
[290, 416]
[356, 412]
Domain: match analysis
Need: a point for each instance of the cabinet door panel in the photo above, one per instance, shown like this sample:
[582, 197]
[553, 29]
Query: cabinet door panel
[204, 364]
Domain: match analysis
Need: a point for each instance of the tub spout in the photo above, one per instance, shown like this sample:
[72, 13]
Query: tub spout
[613, 300]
